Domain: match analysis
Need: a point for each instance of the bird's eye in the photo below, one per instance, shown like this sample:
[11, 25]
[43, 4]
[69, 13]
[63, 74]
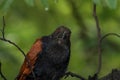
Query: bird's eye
[65, 37]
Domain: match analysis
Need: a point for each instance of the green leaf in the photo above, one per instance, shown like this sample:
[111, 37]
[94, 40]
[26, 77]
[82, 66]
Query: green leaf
[45, 4]
[30, 2]
[97, 1]
[111, 3]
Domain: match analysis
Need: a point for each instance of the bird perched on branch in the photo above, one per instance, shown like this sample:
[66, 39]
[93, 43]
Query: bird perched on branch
[48, 58]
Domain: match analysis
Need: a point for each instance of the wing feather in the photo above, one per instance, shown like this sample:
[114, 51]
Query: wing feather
[31, 56]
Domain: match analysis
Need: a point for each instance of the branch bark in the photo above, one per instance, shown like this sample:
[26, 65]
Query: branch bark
[109, 34]
[99, 39]
[1, 73]
[74, 75]
[3, 38]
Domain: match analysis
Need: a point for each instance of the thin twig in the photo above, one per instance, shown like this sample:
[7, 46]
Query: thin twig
[3, 31]
[6, 40]
[1, 72]
[108, 34]
[74, 75]
[99, 39]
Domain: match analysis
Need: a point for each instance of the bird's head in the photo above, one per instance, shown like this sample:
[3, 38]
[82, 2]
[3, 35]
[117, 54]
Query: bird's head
[61, 35]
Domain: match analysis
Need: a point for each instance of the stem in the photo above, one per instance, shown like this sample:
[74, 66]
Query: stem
[6, 40]
[99, 39]
[74, 75]
[1, 72]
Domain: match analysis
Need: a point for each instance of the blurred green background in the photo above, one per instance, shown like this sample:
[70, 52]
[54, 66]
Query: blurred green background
[27, 20]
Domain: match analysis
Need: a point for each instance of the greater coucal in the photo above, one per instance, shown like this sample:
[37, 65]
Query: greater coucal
[48, 58]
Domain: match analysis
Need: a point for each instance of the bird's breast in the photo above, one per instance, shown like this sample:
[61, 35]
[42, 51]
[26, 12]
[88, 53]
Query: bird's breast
[57, 53]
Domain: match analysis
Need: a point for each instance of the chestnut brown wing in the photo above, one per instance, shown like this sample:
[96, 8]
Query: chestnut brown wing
[31, 56]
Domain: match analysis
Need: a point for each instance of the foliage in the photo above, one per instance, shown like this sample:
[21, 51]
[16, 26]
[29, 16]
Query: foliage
[109, 3]
[5, 4]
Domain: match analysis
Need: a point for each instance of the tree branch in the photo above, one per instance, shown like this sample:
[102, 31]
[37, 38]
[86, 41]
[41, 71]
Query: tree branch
[99, 39]
[4, 78]
[108, 34]
[74, 75]
[3, 31]
[6, 40]
[3, 38]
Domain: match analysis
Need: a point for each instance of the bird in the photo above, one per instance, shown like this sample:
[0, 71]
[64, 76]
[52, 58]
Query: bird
[48, 57]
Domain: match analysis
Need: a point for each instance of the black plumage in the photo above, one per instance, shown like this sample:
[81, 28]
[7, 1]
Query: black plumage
[53, 59]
